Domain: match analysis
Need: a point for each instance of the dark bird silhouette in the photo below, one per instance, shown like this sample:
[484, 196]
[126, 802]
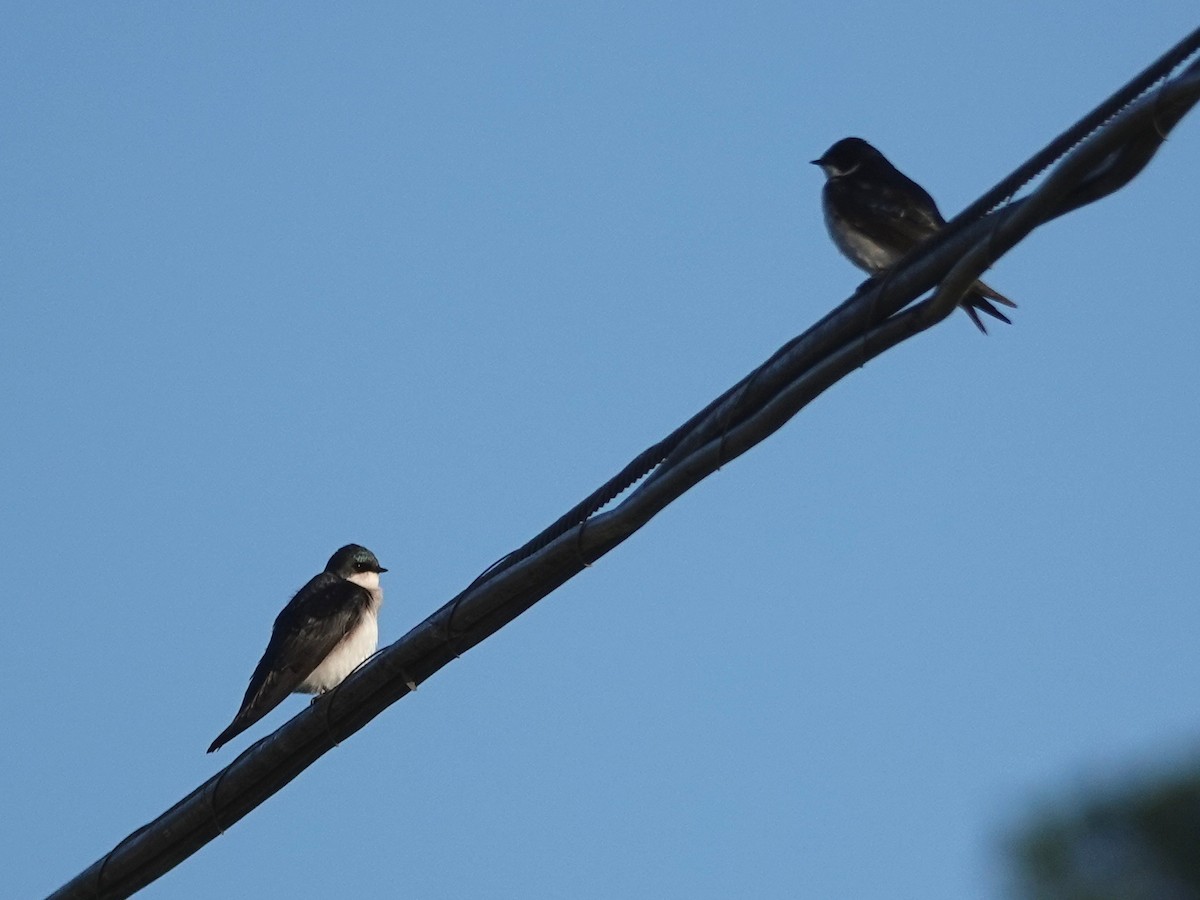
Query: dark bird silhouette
[322, 635]
[876, 214]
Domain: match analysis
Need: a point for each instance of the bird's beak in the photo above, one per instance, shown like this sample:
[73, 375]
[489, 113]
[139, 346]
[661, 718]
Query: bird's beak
[381, 570]
[814, 162]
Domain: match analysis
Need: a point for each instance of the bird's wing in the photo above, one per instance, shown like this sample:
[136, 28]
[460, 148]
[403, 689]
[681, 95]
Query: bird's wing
[895, 212]
[310, 626]
[912, 204]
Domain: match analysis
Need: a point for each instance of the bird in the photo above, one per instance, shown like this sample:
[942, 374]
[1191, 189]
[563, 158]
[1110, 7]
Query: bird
[876, 214]
[323, 634]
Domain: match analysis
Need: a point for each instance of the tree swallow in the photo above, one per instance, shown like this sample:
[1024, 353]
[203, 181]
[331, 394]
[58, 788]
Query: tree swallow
[322, 635]
[876, 214]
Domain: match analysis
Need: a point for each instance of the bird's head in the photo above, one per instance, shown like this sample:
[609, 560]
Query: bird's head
[845, 156]
[354, 559]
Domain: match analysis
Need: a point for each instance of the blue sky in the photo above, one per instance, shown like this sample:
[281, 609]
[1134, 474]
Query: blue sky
[279, 278]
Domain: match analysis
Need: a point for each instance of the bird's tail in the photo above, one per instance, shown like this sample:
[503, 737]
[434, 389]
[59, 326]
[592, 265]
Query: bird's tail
[982, 297]
[236, 727]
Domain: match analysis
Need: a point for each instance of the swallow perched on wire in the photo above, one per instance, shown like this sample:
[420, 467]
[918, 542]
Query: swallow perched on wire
[322, 635]
[876, 214]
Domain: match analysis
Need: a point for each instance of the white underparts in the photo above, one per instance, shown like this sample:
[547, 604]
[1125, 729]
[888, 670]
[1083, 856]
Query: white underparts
[857, 247]
[345, 657]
